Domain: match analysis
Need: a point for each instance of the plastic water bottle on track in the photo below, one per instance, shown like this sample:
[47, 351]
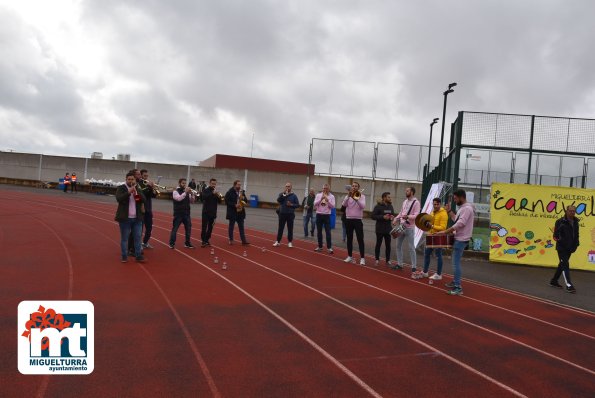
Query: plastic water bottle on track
[245, 253]
[431, 282]
[212, 251]
[216, 260]
[224, 266]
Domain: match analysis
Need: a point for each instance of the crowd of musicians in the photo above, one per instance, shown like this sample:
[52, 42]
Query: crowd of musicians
[135, 215]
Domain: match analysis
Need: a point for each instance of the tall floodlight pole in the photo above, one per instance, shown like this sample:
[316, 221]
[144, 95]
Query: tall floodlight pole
[450, 90]
[430, 144]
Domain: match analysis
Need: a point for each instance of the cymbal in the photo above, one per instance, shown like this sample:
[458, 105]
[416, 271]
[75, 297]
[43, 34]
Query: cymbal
[423, 221]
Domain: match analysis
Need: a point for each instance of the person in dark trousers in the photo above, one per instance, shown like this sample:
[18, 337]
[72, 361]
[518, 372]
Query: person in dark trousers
[309, 215]
[383, 213]
[355, 203]
[235, 199]
[324, 203]
[182, 198]
[210, 200]
[73, 184]
[566, 235]
[137, 179]
[66, 182]
[288, 202]
[148, 188]
[129, 216]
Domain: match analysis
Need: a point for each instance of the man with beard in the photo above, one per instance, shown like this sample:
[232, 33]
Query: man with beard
[129, 216]
[383, 213]
[148, 188]
[463, 228]
[409, 210]
[210, 200]
[288, 202]
[235, 199]
[182, 197]
[439, 223]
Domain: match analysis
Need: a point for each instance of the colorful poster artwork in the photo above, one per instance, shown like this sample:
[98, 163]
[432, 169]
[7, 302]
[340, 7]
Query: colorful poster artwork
[522, 224]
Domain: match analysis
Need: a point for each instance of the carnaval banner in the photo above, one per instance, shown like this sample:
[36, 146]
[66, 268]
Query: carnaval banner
[522, 224]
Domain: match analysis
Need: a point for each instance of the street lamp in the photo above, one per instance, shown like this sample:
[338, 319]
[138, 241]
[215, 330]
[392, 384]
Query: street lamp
[450, 90]
[430, 144]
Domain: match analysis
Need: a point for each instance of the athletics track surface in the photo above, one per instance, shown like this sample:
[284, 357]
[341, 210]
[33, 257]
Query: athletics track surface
[280, 323]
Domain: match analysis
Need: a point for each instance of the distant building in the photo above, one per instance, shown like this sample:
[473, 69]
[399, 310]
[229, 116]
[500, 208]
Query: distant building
[256, 164]
[97, 155]
[124, 156]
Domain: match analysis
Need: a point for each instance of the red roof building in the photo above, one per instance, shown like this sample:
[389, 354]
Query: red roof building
[240, 162]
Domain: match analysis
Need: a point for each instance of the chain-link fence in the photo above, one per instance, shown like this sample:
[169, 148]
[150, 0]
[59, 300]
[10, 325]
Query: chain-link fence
[365, 159]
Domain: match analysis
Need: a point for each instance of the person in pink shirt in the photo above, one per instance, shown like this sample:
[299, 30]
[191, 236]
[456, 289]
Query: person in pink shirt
[354, 212]
[409, 210]
[463, 229]
[323, 204]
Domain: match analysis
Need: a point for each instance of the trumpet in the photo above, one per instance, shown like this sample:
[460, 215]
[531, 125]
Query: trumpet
[357, 194]
[220, 196]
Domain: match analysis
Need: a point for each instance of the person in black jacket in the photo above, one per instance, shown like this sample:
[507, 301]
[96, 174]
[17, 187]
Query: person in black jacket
[235, 199]
[129, 216]
[210, 200]
[182, 197]
[383, 213]
[288, 202]
[566, 235]
[148, 188]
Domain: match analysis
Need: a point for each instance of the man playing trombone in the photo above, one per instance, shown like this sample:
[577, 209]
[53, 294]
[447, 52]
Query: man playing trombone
[182, 196]
[354, 203]
[288, 202]
[210, 200]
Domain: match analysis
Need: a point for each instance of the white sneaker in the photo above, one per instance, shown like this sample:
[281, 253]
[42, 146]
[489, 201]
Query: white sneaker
[348, 259]
[318, 249]
[362, 261]
[290, 244]
[330, 251]
[423, 275]
[276, 244]
[436, 277]
[376, 263]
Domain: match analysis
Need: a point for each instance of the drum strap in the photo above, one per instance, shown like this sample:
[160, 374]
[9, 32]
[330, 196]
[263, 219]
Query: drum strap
[410, 208]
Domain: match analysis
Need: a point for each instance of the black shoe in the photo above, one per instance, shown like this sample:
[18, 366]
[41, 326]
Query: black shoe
[204, 244]
[396, 266]
[555, 284]
[131, 252]
[570, 289]
[124, 259]
[245, 243]
[140, 259]
[188, 245]
[172, 245]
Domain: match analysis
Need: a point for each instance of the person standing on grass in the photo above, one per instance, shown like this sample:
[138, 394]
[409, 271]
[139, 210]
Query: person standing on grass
[566, 235]
[463, 229]
[288, 202]
[383, 213]
[129, 216]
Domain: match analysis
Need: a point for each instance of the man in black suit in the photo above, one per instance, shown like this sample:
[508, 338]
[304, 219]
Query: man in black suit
[235, 199]
[210, 198]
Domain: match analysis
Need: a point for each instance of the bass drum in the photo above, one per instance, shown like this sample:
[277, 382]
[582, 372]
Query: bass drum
[439, 241]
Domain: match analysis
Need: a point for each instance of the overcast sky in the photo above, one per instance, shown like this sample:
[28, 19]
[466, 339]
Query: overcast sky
[180, 80]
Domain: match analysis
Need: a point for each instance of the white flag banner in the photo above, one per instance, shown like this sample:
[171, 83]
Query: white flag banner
[435, 192]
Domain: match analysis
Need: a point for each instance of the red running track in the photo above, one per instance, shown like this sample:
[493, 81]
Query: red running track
[284, 322]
